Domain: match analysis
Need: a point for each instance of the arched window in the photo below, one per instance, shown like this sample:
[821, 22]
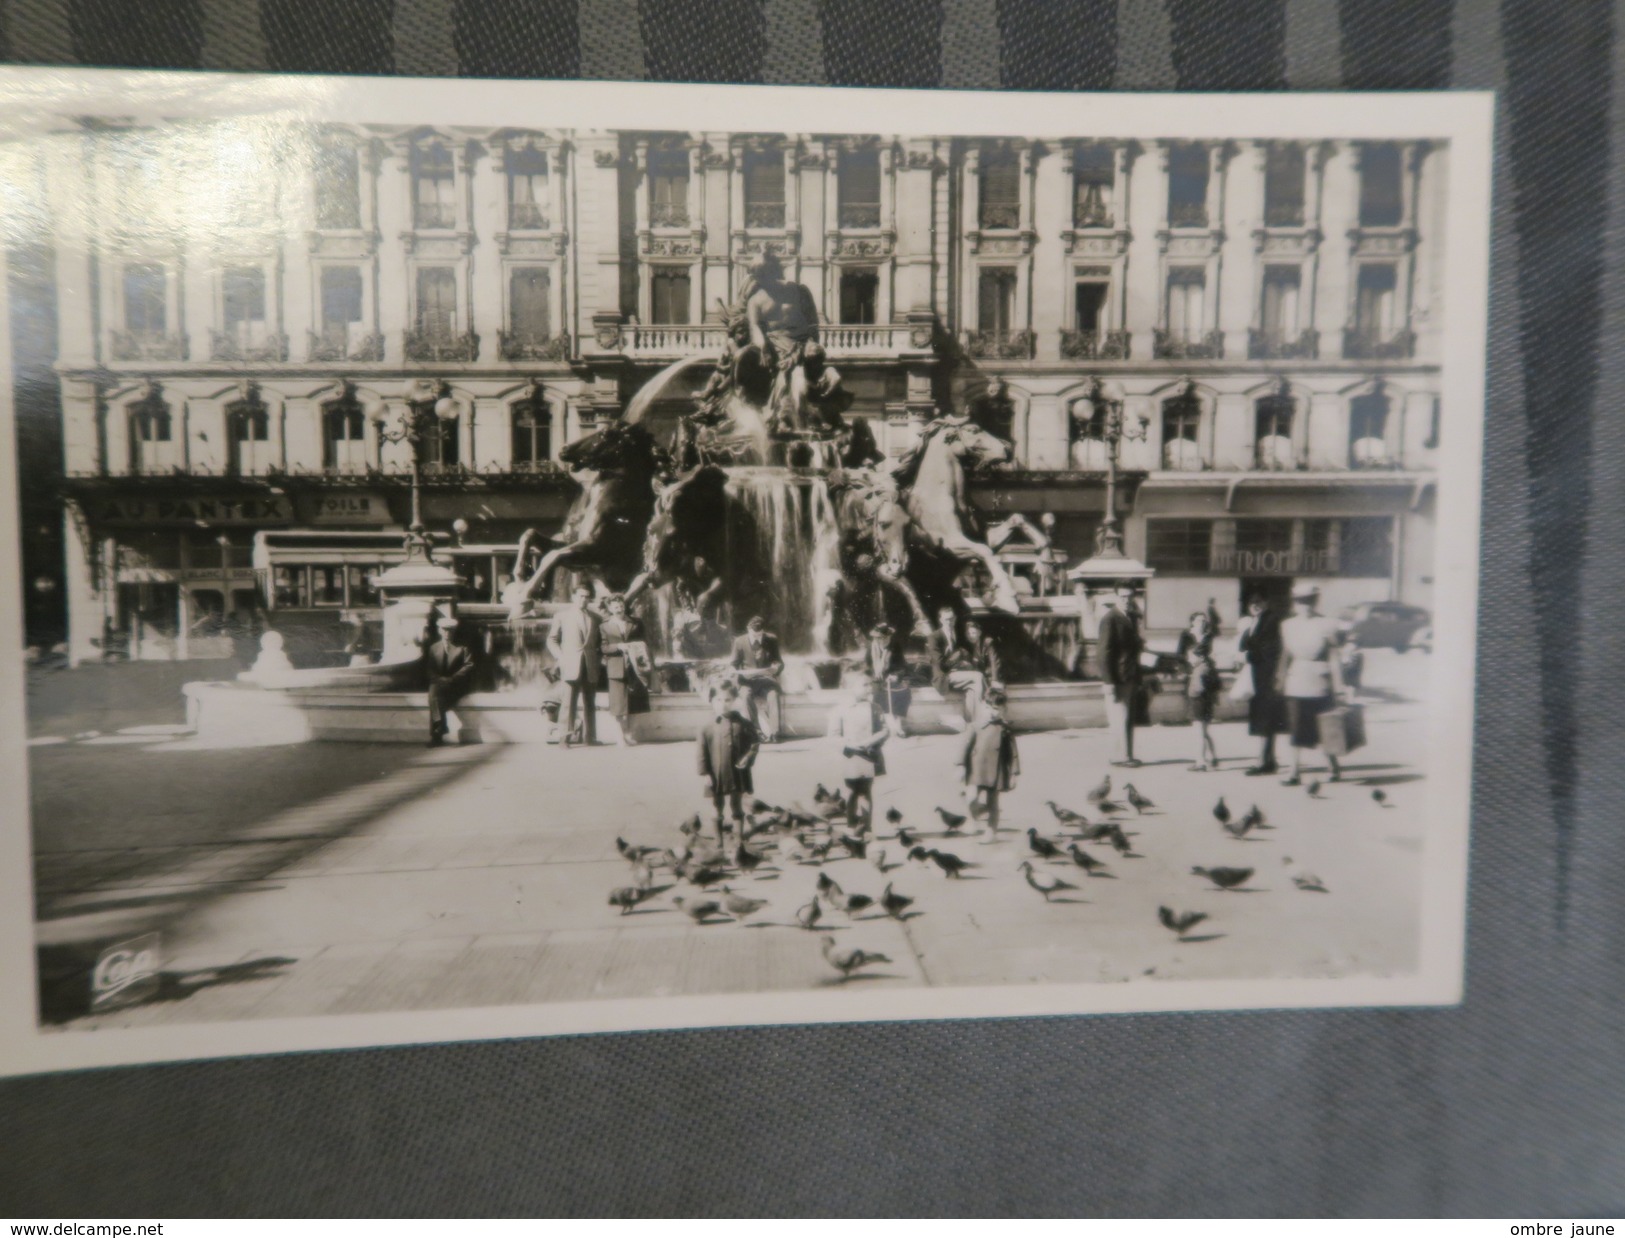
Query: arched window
[1272, 436]
[248, 435]
[1088, 432]
[1181, 425]
[440, 448]
[434, 186]
[532, 435]
[150, 426]
[1368, 430]
[344, 435]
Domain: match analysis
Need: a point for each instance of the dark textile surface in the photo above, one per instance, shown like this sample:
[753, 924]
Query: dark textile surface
[1513, 1104]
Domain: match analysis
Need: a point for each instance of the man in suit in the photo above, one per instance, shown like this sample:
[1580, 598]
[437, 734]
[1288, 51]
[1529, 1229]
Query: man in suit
[883, 661]
[573, 642]
[757, 660]
[954, 664]
[449, 668]
[726, 751]
[1118, 651]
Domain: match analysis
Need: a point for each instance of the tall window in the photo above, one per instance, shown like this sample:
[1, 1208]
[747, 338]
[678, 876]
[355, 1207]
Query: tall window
[1280, 308]
[150, 425]
[344, 435]
[441, 447]
[529, 303]
[668, 188]
[527, 189]
[1089, 305]
[1367, 546]
[248, 436]
[669, 297]
[146, 311]
[860, 295]
[1375, 290]
[1381, 196]
[532, 434]
[437, 303]
[996, 300]
[1000, 189]
[1187, 300]
[1179, 545]
[1187, 185]
[1181, 422]
[1283, 186]
[1093, 175]
[1273, 431]
[1087, 425]
[858, 189]
[764, 189]
[1368, 430]
[242, 295]
[341, 310]
[338, 186]
[434, 186]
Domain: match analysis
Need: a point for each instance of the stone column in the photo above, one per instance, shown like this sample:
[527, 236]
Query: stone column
[1339, 190]
[1147, 196]
[488, 197]
[394, 295]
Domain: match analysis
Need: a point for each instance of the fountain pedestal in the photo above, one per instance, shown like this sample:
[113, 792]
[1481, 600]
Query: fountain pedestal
[412, 591]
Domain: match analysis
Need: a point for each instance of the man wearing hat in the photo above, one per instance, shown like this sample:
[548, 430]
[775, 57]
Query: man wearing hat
[758, 663]
[883, 661]
[1118, 651]
[449, 669]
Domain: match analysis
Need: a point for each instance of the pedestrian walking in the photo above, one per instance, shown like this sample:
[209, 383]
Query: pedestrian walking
[858, 727]
[728, 745]
[1310, 675]
[573, 640]
[626, 665]
[1118, 649]
[1260, 644]
[989, 760]
[1195, 650]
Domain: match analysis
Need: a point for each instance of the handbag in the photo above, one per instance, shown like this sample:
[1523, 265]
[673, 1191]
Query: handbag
[1243, 688]
[1342, 729]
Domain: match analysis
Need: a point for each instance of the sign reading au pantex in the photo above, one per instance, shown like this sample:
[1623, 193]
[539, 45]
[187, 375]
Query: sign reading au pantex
[205, 509]
[1275, 562]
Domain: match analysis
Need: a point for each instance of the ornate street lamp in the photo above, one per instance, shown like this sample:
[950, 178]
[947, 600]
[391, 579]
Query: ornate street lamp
[415, 424]
[1115, 428]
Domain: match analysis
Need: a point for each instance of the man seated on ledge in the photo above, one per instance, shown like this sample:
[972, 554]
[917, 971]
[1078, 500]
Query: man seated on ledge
[450, 671]
[756, 658]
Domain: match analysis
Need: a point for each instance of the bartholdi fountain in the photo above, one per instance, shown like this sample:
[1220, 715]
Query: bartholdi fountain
[764, 498]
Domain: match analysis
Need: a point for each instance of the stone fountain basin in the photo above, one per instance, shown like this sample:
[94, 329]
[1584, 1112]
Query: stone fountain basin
[244, 714]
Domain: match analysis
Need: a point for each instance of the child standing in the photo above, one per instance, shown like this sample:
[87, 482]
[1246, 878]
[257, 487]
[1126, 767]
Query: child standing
[862, 733]
[727, 749]
[989, 760]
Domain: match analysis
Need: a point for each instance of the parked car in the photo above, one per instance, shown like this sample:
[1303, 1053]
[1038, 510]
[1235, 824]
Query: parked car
[1387, 625]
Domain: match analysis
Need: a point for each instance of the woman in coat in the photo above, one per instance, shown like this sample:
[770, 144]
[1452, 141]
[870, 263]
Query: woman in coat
[1310, 676]
[1260, 644]
[1201, 686]
[621, 640]
[989, 760]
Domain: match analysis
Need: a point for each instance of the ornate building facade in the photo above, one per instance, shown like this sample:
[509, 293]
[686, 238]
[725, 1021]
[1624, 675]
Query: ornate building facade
[240, 306]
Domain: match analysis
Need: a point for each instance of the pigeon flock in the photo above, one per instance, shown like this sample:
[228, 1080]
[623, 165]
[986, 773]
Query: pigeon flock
[1056, 863]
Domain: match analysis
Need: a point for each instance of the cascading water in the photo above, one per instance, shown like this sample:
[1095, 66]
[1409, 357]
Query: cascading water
[798, 542]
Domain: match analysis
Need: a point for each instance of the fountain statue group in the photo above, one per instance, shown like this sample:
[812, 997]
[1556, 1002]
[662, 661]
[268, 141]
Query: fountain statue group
[767, 499]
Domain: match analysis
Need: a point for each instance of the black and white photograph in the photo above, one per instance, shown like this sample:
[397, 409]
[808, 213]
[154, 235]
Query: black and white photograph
[516, 558]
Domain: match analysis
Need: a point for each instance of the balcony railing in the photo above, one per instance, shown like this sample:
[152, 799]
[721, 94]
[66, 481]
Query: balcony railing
[1095, 345]
[524, 217]
[674, 341]
[860, 214]
[230, 346]
[533, 346]
[342, 346]
[764, 215]
[1283, 215]
[435, 215]
[668, 215]
[999, 215]
[1166, 346]
[1000, 345]
[1187, 215]
[148, 346]
[435, 346]
[1282, 346]
[1361, 345]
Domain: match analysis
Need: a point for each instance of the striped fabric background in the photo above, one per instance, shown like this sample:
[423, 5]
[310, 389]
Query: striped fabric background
[1512, 1105]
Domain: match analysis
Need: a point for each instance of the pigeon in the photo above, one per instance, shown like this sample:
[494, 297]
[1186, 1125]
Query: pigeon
[907, 836]
[1314, 789]
[631, 853]
[1253, 817]
[828, 886]
[1066, 816]
[739, 906]
[893, 817]
[919, 853]
[1308, 881]
[857, 848]
[823, 795]
[950, 864]
[1221, 812]
[1041, 845]
[1085, 861]
[854, 903]
[1182, 923]
[1135, 798]
[664, 857]
[1239, 829]
[878, 859]
[703, 875]
[1380, 796]
[747, 860]
[691, 826]
[1111, 806]
[699, 911]
[1043, 882]
[642, 875]
[1119, 841]
[762, 806]
[1100, 832]
[952, 820]
[1102, 791]
[848, 961]
[808, 915]
[895, 904]
[1224, 878]
[628, 897]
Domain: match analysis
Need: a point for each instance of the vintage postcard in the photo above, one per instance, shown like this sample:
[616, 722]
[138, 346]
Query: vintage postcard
[501, 558]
